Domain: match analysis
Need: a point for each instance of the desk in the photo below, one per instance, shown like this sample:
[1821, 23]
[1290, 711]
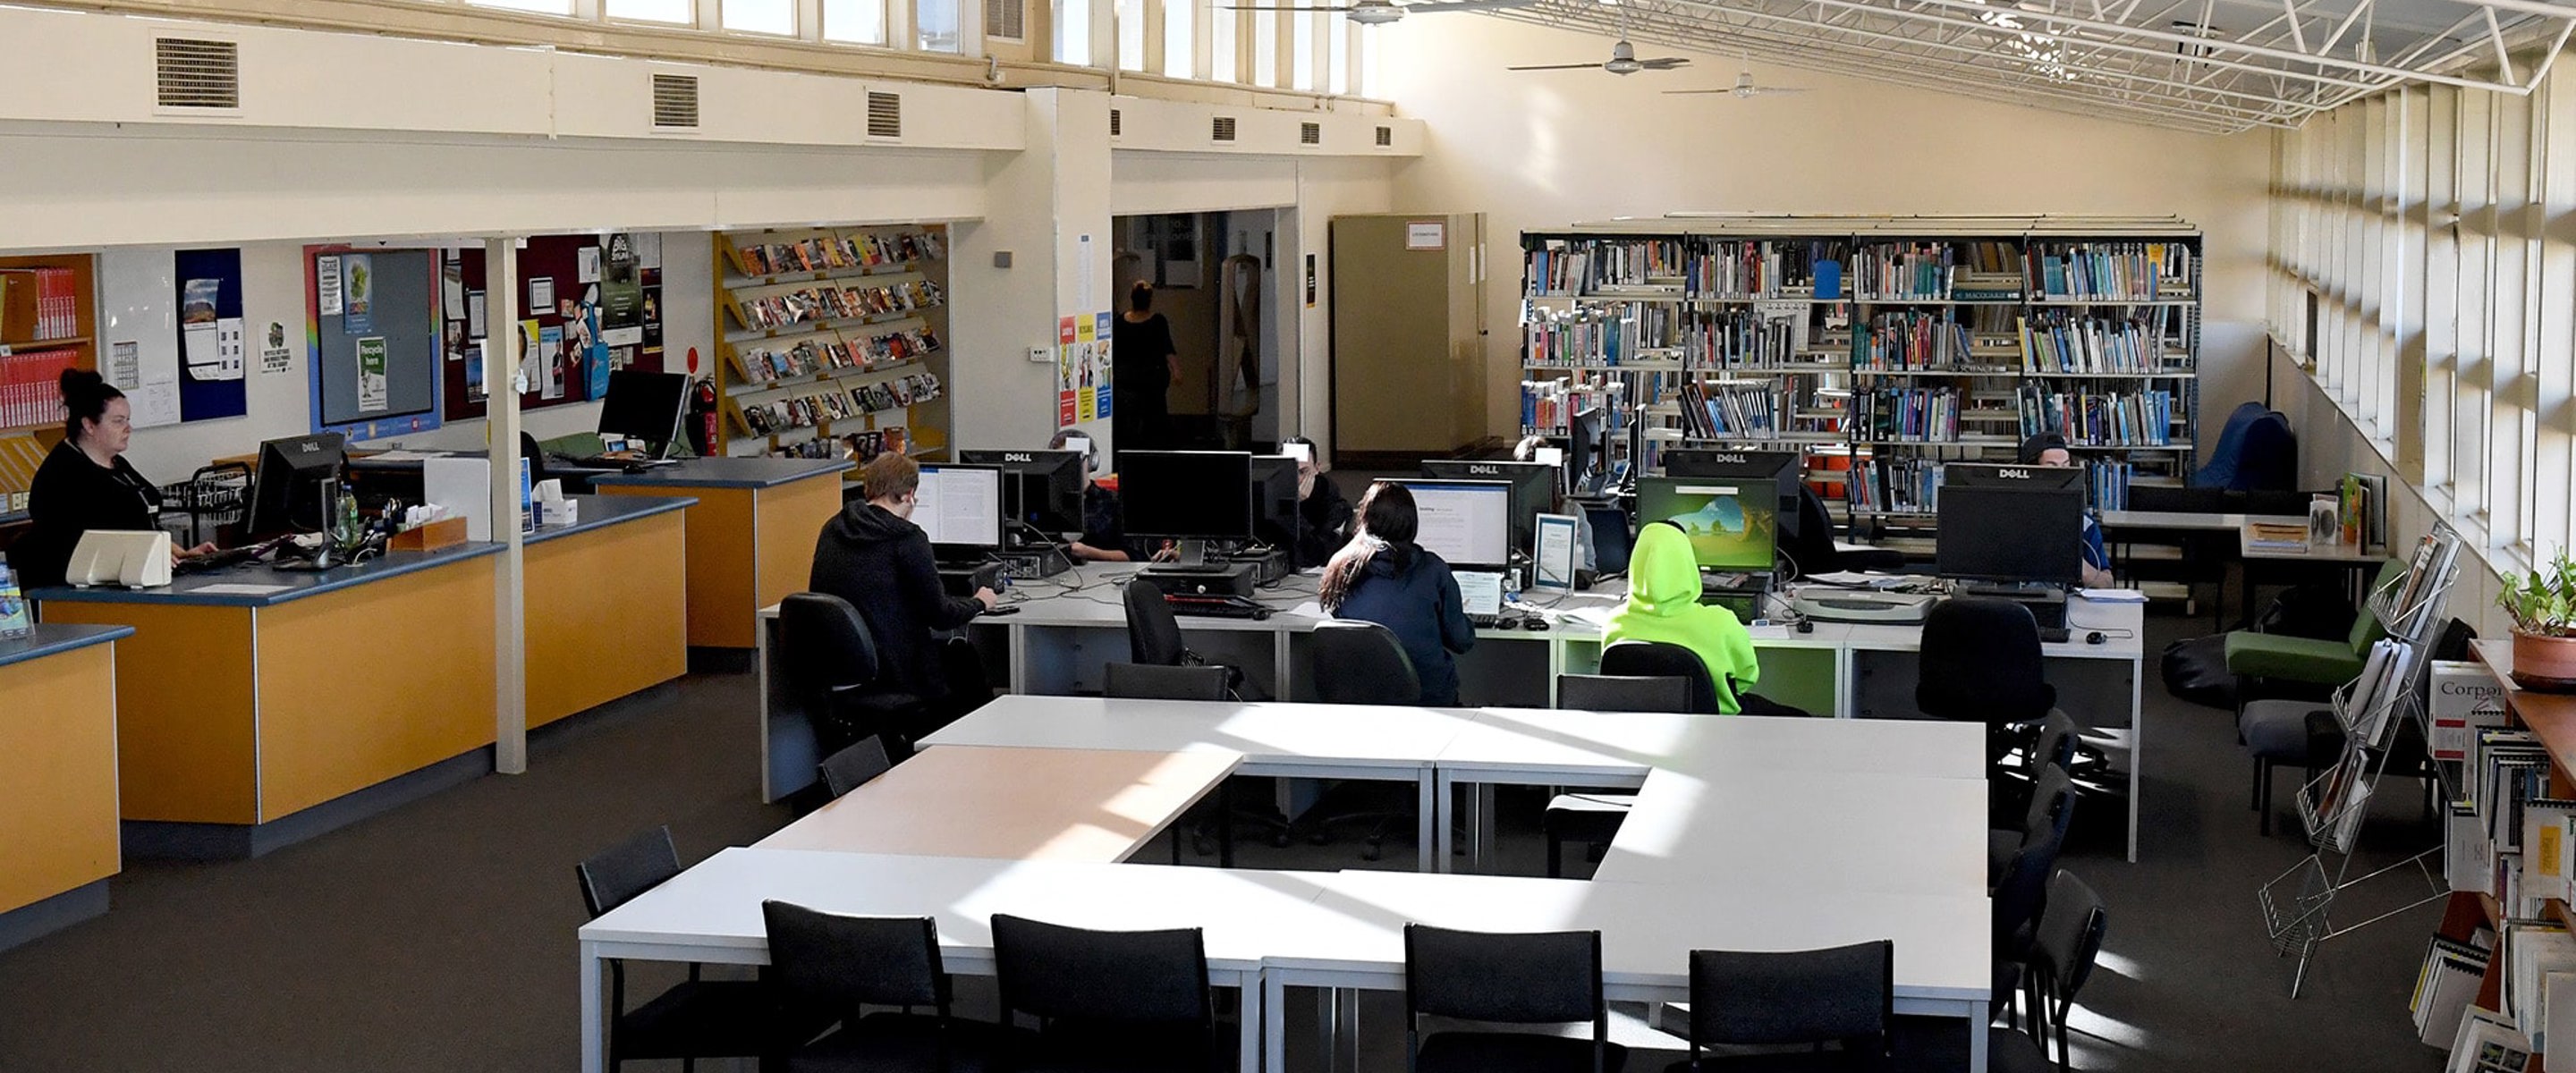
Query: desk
[1096, 805]
[750, 536]
[608, 606]
[57, 778]
[240, 711]
[2184, 521]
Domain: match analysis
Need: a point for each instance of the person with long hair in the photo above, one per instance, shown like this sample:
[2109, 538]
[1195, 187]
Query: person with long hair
[85, 483]
[1144, 362]
[1382, 576]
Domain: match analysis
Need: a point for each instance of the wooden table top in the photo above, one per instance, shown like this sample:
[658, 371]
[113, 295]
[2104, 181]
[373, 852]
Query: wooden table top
[1032, 804]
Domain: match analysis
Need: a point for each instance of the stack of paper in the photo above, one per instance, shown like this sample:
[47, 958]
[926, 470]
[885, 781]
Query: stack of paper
[2444, 987]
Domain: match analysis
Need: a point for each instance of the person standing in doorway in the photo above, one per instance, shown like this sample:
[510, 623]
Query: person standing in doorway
[1144, 363]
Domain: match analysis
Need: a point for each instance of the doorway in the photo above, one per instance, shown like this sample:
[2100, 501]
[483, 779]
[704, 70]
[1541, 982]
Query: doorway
[1216, 285]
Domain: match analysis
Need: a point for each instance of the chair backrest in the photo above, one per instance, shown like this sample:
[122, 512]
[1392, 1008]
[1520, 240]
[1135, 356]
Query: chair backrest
[848, 960]
[1812, 549]
[1055, 972]
[1528, 978]
[1610, 540]
[1153, 632]
[1662, 659]
[852, 767]
[828, 646]
[1843, 993]
[1981, 663]
[1620, 693]
[2052, 803]
[2069, 935]
[2024, 886]
[2056, 744]
[1362, 663]
[1149, 681]
[536, 456]
[615, 876]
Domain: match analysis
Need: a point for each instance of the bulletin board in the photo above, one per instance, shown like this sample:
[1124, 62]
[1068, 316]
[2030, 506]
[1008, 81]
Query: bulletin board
[372, 329]
[213, 342]
[588, 304]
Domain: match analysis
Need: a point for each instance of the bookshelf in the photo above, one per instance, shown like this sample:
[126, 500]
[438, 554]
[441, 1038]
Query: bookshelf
[48, 323]
[1881, 347]
[830, 331]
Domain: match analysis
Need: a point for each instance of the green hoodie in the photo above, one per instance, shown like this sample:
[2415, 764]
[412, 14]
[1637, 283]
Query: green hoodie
[1663, 605]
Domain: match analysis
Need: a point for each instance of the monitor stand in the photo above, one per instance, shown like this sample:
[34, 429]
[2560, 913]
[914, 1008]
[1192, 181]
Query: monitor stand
[2047, 602]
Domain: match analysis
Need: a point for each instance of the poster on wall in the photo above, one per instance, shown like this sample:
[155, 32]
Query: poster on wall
[595, 306]
[1082, 369]
[214, 343]
[274, 358]
[375, 385]
[358, 297]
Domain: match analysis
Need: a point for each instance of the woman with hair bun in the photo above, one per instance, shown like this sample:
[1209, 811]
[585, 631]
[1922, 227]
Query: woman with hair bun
[85, 483]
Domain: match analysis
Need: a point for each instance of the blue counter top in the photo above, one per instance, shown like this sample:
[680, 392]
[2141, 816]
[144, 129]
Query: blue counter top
[52, 639]
[728, 473]
[600, 512]
[288, 584]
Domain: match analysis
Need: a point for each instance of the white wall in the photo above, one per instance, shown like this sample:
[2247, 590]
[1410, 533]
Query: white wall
[1537, 150]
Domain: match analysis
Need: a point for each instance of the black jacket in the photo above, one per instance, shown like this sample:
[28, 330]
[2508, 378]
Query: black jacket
[1421, 605]
[881, 564]
[1323, 523]
[72, 495]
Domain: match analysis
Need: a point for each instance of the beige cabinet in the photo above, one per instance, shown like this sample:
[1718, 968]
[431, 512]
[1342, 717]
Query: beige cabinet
[1409, 368]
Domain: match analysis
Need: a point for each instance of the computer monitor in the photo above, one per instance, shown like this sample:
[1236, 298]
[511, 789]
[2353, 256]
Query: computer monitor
[960, 509]
[1274, 502]
[1584, 461]
[2012, 533]
[289, 491]
[1987, 475]
[645, 406]
[1040, 488]
[1732, 524]
[1467, 523]
[1189, 496]
[1534, 486]
[1783, 469]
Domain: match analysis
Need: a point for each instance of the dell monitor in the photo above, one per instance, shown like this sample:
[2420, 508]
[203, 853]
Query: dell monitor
[960, 509]
[1732, 524]
[645, 406]
[1274, 503]
[1585, 464]
[1784, 469]
[1985, 475]
[1188, 496]
[1467, 523]
[1534, 486]
[2018, 534]
[1040, 489]
[293, 488]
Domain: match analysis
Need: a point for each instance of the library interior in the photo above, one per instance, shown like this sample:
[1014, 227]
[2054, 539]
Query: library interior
[1441, 535]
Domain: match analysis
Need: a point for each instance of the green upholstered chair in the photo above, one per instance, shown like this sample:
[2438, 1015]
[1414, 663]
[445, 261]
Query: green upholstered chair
[2307, 660]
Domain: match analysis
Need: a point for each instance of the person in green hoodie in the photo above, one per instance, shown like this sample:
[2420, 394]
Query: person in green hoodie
[1663, 605]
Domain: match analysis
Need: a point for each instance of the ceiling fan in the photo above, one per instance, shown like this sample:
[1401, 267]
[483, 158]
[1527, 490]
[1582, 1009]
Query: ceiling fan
[1623, 61]
[1382, 12]
[1743, 87]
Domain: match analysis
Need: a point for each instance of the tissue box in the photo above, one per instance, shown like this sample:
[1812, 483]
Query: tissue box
[558, 512]
[2466, 697]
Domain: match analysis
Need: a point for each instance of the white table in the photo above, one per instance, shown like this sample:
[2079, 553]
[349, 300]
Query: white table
[1835, 832]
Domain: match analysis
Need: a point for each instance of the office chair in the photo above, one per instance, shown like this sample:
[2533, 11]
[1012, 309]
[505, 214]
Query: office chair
[840, 963]
[853, 767]
[2063, 950]
[1843, 994]
[1592, 817]
[1812, 550]
[2051, 805]
[1154, 634]
[696, 1018]
[1660, 659]
[1518, 979]
[1128, 1001]
[1363, 663]
[1981, 664]
[831, 664]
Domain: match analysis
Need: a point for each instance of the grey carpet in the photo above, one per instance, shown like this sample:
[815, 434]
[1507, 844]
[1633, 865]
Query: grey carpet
[440, 936]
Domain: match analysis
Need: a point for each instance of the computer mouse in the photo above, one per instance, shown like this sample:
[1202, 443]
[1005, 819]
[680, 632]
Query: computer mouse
[1534, 622]
[1806, 625]
[2095, 638]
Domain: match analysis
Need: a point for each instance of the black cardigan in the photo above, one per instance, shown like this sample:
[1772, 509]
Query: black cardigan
[72, 495]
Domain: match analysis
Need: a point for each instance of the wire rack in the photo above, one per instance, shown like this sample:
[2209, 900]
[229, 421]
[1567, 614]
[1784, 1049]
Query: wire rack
[215, 494]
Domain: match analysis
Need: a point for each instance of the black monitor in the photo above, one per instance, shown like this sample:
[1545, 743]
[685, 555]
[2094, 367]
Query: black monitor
[1465, 523]
[1042, 489]
[960, 509]
[1733, 524]
[1274, 503]
[1783, 469]
[1987, 475]
[645, 406]
[1584, 461]
[1189, 496]
[2017, 533]
[289, 494]
[1534, 486]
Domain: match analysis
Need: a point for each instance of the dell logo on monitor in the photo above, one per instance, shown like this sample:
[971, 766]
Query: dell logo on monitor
[1728, 459]
[2012, 473]
[1018, 456]
[1486, 471]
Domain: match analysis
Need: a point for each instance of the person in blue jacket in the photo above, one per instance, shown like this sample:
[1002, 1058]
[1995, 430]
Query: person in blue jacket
[1382, 576]
[2049, 449]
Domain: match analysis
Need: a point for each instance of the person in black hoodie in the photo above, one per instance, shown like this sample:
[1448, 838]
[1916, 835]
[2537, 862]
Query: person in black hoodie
[85, 483]
[1323, 516]
[873, 556]
[1382, 576]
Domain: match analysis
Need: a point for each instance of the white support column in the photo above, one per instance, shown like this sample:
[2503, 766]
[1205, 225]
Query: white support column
[509, 603]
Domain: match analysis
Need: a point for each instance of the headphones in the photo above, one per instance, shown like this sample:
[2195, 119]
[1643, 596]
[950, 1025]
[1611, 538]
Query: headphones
[1090, 448]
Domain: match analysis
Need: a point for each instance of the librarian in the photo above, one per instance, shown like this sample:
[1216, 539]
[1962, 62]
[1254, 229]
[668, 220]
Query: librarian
[85, 483]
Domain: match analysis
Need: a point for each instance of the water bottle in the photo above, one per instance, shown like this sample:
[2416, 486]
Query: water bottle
[13, 607]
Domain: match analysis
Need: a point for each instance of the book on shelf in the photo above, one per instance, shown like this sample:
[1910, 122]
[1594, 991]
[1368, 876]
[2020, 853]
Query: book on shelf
[2061, 342]
[1764, 335]
[1910, 414]
[2098, 419]
[831, 252]
[1900, 271]
[2112, 271]
[2277, 537]
[1616, 334]
[785, 306]
[1547, 406]
[2488, 1042]
[1914, 339]
[38, 305]
[1742, 269]
[2445, 984]
[31, 386]
[1586, 266]
[2466, 698]
[1731, 411]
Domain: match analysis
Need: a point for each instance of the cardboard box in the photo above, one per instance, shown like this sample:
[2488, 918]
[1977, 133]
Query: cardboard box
[2466, 696]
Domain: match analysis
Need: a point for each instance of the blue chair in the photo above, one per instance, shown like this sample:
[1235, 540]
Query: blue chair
[2255, 451]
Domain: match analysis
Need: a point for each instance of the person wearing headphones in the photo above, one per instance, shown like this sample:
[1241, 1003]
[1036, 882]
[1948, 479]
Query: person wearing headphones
[1104, 527]
[2049, 449]
[1323, 515]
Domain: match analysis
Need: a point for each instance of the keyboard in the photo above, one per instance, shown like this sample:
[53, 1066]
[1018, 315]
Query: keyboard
[2054, 635]
[215, 560]
[1217, 606]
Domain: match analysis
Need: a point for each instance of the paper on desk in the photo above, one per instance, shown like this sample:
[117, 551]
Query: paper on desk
[2113, 596]
[1771, 633]
[240, 590]
[1310, 609]
[1855, 579]
[406, 456]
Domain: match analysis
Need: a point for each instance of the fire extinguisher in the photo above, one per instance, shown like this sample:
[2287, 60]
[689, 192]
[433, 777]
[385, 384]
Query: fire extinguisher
[702, 407]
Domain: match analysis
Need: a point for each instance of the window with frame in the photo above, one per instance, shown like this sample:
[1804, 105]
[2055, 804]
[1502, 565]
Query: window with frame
[760, 16]
[1180, 38]
[1131, 34]
[1073, 32]
[855, 22]
[675, 12]
[537, 7]
[934, 26]
[1223, 49]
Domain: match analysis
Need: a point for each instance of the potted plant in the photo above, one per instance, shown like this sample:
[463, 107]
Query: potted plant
[2543, 605]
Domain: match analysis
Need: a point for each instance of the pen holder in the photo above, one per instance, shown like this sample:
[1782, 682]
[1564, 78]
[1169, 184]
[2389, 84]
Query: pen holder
[443, 533]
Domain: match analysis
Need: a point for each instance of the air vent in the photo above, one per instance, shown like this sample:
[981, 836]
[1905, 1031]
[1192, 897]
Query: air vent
[885, 115]
[1385, 137]
[1223, 131]
[675, 102]
[1003, 19]
[197, 74]
[1115, 128]
[1310, 134]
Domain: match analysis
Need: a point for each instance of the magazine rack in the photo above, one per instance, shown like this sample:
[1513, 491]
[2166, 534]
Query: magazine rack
[2298, 904]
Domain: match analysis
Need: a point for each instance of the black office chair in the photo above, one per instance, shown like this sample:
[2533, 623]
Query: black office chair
[1126, 1001]
[2023, 889]
[2051, 807]
[696, 1018]
[536, 457]
[852, 767]
[831, 663]
[1154, 634]
[1842, 995]
[1523, 979]
[2063, 949]
[1147, 681]
[1659, 659]
[1812, 550]
[1981, 664]
[841, 963]
[1593, 816]
[1362, 663]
